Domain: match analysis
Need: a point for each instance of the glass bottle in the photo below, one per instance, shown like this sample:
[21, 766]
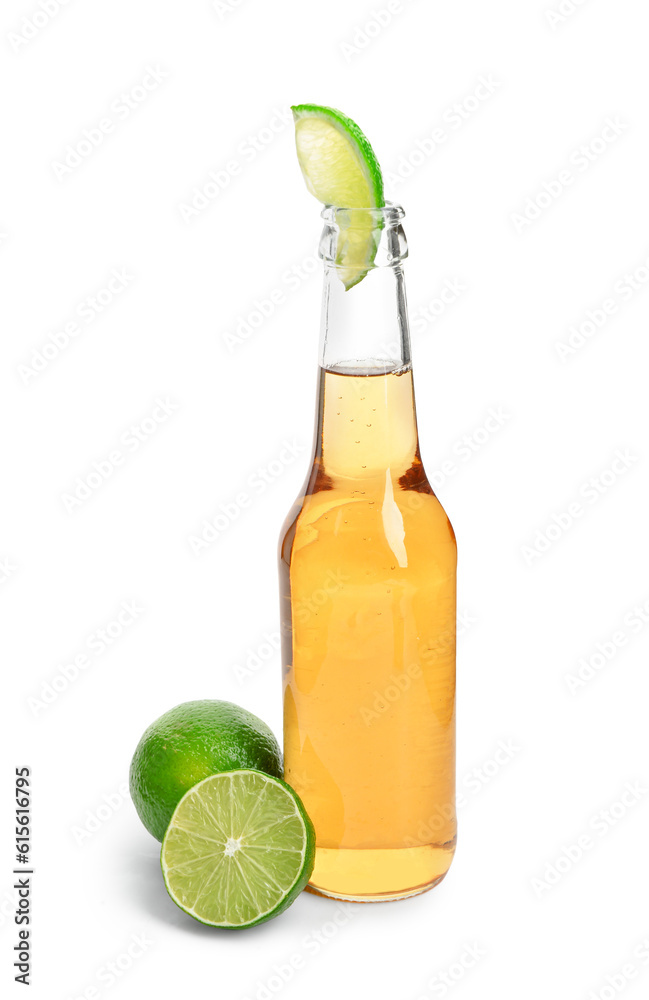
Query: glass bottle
[367, 578]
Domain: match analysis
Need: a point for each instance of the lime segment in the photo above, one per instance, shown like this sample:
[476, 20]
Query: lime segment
[238, 850]
[341, 169]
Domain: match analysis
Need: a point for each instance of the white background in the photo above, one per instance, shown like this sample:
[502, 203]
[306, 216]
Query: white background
[533, 616]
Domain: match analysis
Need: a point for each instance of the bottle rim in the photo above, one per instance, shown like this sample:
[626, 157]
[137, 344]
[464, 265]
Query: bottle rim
[389, 214]
[374, 234]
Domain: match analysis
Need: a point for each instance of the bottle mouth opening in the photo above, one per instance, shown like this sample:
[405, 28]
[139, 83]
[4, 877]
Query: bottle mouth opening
[344, 217]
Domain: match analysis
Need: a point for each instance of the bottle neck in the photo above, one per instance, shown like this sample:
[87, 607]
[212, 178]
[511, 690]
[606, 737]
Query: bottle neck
[364, 314]
[365, 328]
[367, 425]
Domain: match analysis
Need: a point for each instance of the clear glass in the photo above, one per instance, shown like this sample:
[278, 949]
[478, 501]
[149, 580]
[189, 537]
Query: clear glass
[367, 576]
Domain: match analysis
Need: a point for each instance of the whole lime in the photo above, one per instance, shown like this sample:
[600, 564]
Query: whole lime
[189, 743]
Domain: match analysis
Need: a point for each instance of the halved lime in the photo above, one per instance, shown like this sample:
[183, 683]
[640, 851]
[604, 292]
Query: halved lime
[341, 169]
[238, 850]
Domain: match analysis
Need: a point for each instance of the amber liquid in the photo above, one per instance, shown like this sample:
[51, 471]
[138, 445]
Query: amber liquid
[367, 566]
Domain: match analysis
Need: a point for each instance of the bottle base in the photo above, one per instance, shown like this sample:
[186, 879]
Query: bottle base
[375, 876]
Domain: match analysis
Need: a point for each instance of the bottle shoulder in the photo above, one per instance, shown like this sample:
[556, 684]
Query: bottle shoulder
[370, 520]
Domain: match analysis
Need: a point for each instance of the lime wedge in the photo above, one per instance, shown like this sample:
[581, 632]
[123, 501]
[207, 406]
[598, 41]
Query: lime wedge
[340, 169]
[238, 850]
[337, 161]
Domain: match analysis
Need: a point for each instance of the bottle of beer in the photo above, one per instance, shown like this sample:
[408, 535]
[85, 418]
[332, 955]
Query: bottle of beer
[367, 570]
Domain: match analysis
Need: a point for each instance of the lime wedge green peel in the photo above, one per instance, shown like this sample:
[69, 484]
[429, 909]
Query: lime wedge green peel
[341, 169]
[337, 161]
[238, 850]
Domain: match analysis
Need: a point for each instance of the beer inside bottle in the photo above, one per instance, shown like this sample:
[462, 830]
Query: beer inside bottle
[367, 571]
